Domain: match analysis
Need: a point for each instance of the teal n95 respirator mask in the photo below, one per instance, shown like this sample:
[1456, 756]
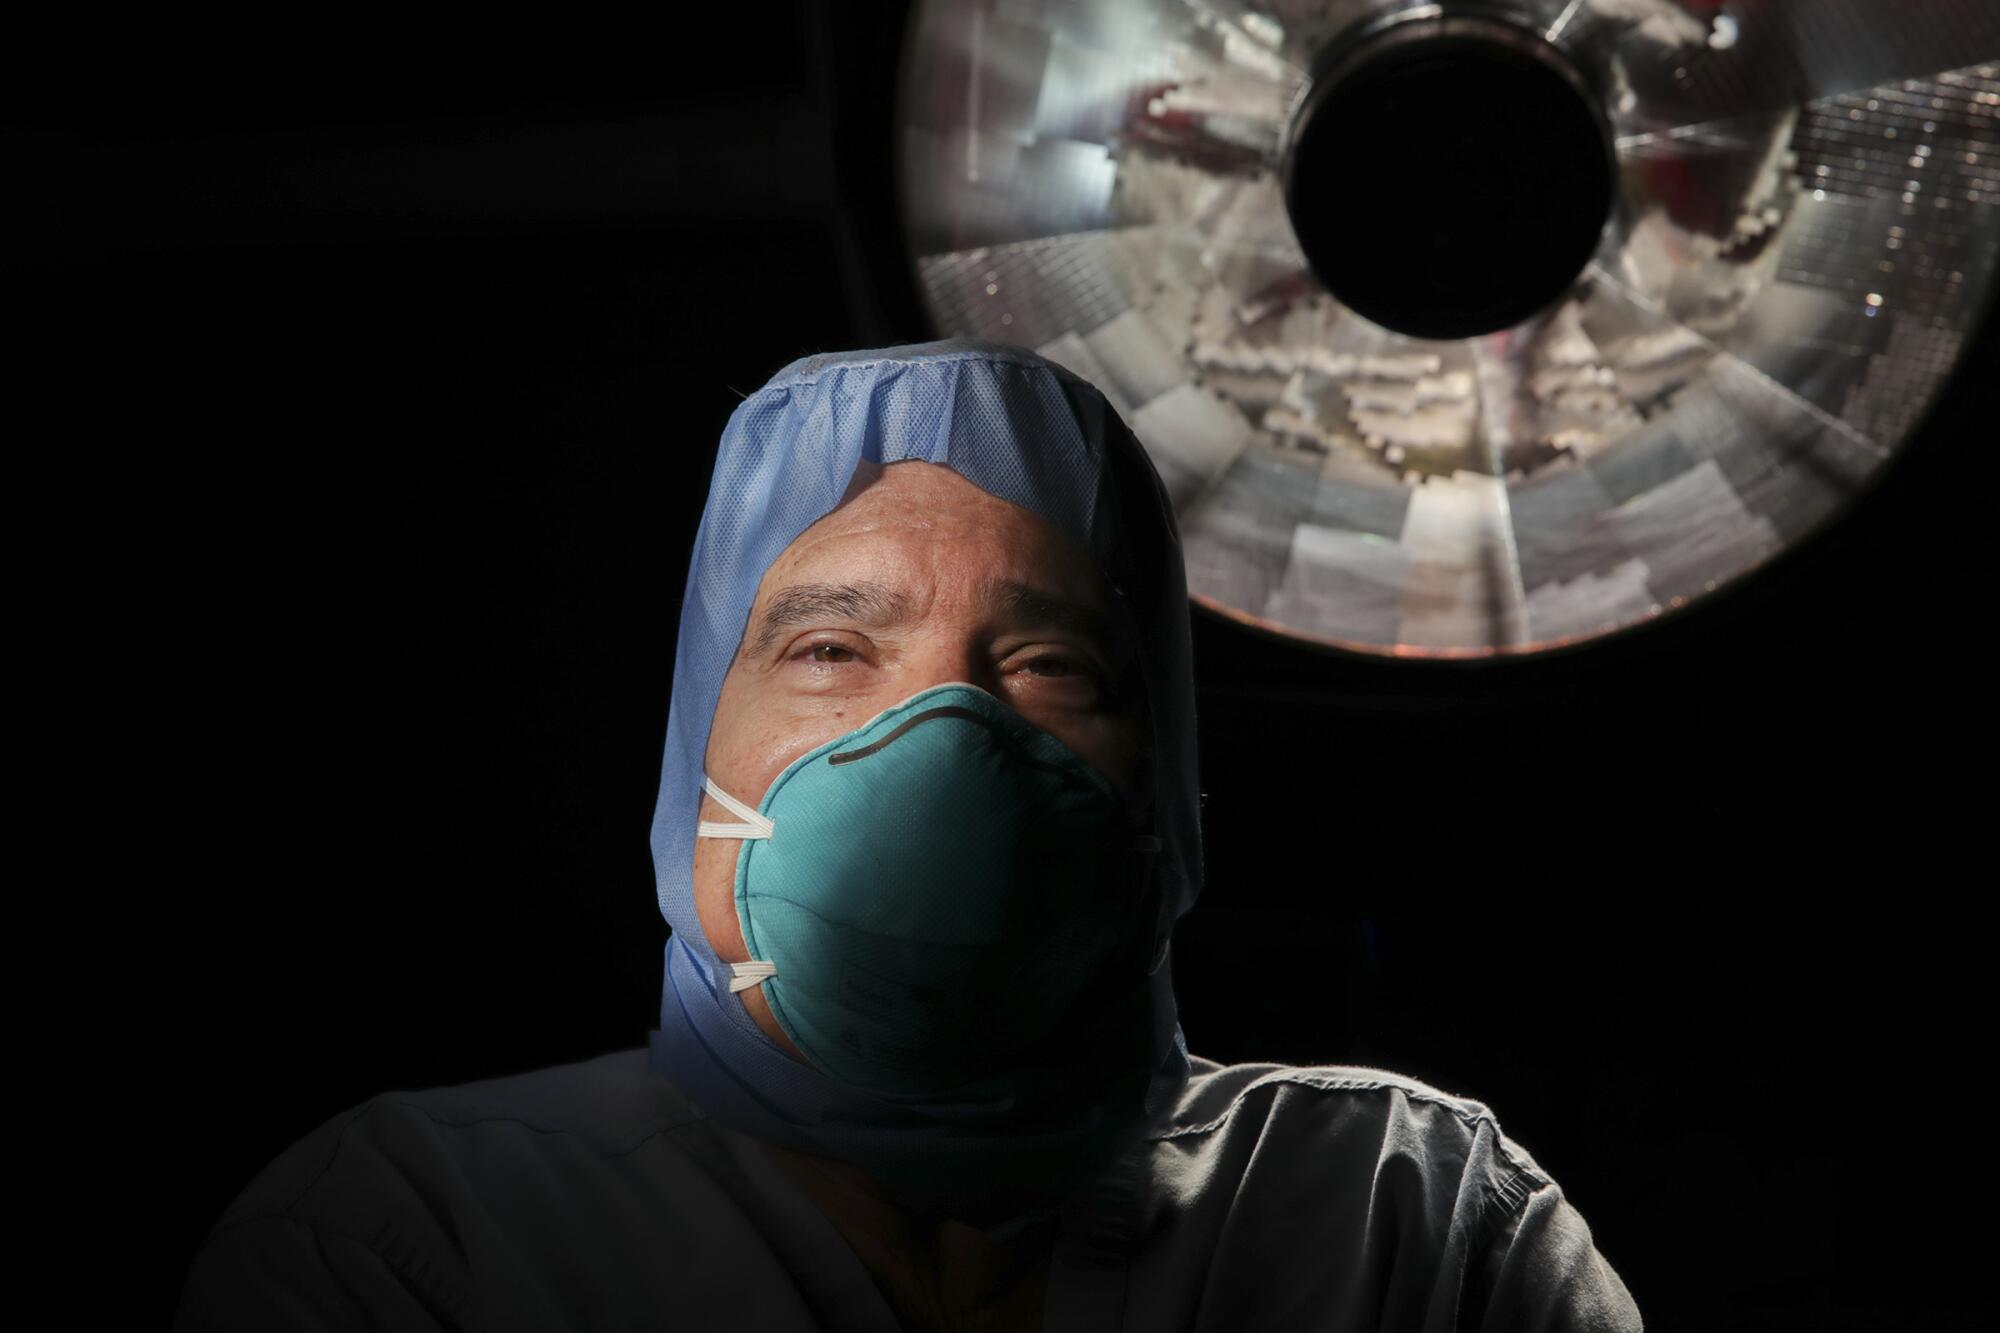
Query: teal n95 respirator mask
[927, 897]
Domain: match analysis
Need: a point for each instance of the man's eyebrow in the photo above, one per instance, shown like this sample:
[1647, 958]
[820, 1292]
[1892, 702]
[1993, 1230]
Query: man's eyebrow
[802, 603]
[1034, 606]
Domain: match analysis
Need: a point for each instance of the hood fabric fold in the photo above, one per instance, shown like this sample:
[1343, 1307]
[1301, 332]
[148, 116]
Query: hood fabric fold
[1006, 1147]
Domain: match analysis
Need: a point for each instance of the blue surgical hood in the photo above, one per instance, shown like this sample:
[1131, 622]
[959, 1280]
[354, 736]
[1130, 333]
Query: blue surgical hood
[1024, 430]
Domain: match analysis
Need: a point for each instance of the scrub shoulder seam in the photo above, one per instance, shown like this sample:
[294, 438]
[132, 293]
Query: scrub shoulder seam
[1321, 1079]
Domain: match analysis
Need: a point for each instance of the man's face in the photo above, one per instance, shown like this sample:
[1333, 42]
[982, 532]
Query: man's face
[919, 578]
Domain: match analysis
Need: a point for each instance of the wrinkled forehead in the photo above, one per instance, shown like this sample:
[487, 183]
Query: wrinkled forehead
[891, 514]
[913, 540]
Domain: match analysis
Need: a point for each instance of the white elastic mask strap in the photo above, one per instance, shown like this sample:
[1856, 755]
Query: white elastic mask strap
[742, 976]
[753, 826]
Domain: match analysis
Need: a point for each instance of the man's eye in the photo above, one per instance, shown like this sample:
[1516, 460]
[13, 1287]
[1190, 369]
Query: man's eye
[1056, 667]
[819, 652]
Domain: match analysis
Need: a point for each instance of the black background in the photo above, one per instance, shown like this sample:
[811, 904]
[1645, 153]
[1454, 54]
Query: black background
[403, 357]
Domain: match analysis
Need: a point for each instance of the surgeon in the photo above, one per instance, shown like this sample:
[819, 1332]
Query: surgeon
[927, 820]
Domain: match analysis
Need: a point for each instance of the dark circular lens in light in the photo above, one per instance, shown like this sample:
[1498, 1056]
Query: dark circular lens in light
[1450, 178]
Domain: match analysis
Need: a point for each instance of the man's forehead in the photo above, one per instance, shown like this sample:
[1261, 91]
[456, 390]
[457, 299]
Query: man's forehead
[943, 520]
[911, 534]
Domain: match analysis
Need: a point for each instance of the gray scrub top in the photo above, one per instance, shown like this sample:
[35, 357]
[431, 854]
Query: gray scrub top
[593, 1196]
